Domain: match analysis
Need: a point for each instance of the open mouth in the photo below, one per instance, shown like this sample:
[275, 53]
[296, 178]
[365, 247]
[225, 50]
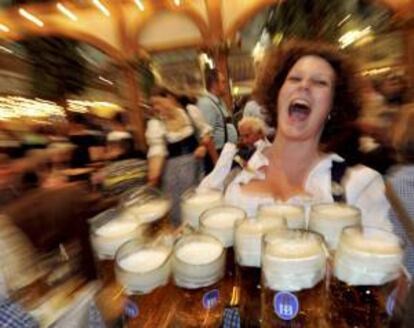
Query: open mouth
[299, 110]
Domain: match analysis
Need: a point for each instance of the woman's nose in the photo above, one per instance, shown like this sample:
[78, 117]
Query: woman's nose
[305, 83]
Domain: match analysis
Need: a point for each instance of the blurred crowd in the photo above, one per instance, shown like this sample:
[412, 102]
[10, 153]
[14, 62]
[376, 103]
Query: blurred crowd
[55, 176]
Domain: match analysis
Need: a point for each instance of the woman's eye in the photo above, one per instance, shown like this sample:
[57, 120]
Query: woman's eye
[321, 82]
[294, 78]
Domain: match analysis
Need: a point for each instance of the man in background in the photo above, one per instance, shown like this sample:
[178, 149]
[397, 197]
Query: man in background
[216, 113]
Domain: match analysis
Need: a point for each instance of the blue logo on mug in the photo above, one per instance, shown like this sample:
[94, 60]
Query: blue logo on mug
[286, 305]
[210, 299]
[131, 309]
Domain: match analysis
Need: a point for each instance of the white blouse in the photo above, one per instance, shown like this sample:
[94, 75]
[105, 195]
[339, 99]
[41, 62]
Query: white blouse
[364, 187]
[158, 136]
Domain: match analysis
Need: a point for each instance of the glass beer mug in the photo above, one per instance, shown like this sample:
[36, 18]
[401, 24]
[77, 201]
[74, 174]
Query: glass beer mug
[293, 270]
[108, 231]
[194, 202]
[367, 264]
[148, 206]
[330, 219]
[293, 214]
[144, 270]
[198, 268]
[220, 223]
[248, 249]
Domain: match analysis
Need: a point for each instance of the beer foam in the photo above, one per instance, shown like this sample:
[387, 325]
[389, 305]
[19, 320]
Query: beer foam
[335, 211]
[198, 253]
[294, 214]
[330, 219]
[368, 257]
[144, 260]
[108, 238]
[197, 203]
[150, 211]
[202, 198]
[291, 246]
[220, 222]
[293, 260]
[144, 270]
[199, 261]
[116, 228]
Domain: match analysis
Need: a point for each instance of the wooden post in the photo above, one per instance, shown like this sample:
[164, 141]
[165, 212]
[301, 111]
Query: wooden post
[133, 95]
[408, 37]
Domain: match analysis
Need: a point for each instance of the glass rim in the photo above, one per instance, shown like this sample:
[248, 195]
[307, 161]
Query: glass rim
[193, 190]
[316, 208]
[401, 241]
[102, 219]
[140, 246]
[127, 198]
[177, 245]
[208, 211]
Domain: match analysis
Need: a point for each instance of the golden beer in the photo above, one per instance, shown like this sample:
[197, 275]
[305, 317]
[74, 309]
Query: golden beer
[220, 222]
[293, 270]
[248, 245]
[367, 265]
[143, 269]
[198, 268]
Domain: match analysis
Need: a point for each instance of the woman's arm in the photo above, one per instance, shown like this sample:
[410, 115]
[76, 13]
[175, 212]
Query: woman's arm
[157, 151]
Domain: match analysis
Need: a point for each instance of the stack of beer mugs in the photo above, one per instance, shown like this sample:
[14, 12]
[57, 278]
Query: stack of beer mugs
[144, 269]
[149, 207]
[220, 222]
[194, 202]
[108, 231]
[330, 219]
[367, 264]
[248, 250]
[293, 214]
[293, 270]
[198, 269]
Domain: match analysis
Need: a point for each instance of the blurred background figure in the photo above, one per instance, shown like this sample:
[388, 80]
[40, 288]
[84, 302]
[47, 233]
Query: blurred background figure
[235, 157]
[177, 138]
[124, 168]
[216, 113]
[401, 182]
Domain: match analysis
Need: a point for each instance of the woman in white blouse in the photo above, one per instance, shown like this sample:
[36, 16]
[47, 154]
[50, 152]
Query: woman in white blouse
[177, 136]
[311, 95]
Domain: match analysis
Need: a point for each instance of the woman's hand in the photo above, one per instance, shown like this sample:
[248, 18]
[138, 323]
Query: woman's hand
[200, 152]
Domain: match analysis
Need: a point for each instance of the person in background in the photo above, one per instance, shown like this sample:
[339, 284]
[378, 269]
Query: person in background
[401, 183]
[177, 138]
[125, 169]
[252, 131]
[216, 113]
[311, 94]
[253, 109]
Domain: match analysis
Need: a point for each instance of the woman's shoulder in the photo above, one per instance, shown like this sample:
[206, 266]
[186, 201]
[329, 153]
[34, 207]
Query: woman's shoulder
[361, 173]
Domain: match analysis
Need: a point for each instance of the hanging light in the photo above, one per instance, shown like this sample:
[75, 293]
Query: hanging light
[101, 7]
[140, 5]
[4, 28]
[31, 17]
[65, 11]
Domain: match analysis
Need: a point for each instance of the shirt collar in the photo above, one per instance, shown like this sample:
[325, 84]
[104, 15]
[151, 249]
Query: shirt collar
[211, 95]
[259, 160]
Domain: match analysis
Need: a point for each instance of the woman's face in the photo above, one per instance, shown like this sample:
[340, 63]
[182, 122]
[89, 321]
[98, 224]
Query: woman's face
[305, 98]
[162, 104]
